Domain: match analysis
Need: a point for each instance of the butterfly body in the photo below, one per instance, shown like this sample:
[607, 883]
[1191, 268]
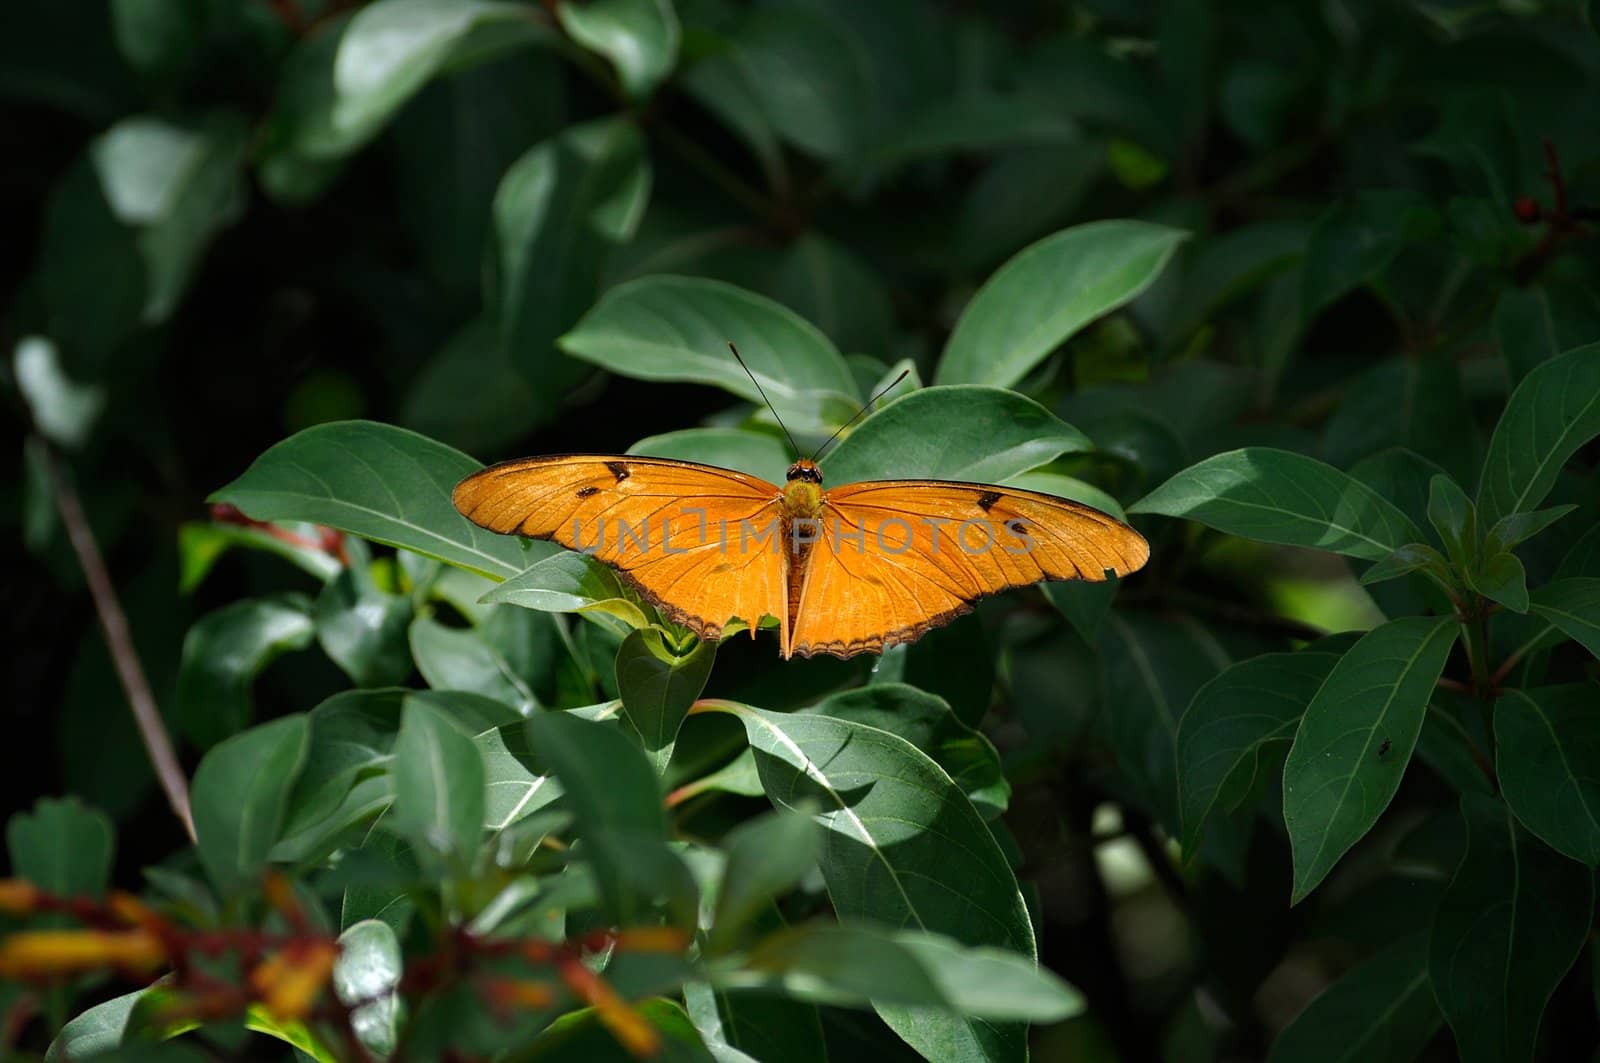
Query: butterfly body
[855, 569]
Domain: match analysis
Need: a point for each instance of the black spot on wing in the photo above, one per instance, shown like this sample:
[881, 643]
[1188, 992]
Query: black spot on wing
[619, 469]
[987, 499]
[588, 492]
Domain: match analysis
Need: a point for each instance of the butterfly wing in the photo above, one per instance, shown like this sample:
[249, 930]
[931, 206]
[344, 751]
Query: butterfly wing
[896, 558]
[671, 528]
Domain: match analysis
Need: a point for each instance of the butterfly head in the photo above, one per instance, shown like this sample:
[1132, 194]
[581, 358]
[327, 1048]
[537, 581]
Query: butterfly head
[805, 470]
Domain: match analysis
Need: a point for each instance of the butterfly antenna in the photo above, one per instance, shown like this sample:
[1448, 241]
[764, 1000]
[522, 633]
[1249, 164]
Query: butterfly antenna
[792, 444]
[885, 390]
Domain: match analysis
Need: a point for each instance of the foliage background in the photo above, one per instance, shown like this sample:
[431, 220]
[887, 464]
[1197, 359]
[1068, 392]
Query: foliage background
[231, 221]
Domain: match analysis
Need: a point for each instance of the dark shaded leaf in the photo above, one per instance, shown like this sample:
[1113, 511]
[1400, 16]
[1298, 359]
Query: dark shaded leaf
[1547, 757]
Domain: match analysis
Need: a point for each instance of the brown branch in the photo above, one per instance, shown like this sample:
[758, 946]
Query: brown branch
[119, 640]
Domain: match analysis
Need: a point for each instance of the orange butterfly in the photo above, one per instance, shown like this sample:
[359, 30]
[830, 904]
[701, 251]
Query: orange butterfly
[855, 569]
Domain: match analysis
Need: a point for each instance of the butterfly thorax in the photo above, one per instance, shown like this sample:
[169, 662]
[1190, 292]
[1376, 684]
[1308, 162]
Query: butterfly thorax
[802, 493]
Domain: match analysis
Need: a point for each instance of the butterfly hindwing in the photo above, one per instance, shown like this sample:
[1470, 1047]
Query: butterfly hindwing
[671, 528]
[898, 557]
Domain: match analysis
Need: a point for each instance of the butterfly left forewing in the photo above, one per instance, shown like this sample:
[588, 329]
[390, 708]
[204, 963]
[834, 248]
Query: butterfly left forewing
[670, 527]
[899, 557]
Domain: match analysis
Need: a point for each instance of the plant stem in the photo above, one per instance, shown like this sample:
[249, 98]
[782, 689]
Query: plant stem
[119, 640]
[1475, 625]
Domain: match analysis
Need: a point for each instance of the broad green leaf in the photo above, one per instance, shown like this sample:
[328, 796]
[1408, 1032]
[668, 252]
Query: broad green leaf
[581, 1035]
[382, 483]
[392, 48]
[1503, 579]
[614, 797]
[362, 629]
[63, 847]
[1573, 605]
[640, 37]
[470, 394]
[1553, 412]
[745, 1025]
[568, 198]
[766, 857]
[837, 292]
[970, 433]
[438, 786]
[1515, 528]
[365, 978]
[1547, 757]
[1412, 557]
[657, 687]
[1454, 517]
[1355, 740]
[903, 847]
[1047, 292]
[91, 273]
[1355, 241]
[1152, 668]
[94, 1032]
[914, 974]
[1277, 496]
[459, 659]
[240, 796]
[678, 328]
[1401, 476]
[158, 38]
[1021, 195]
[1244, 717]
[927, 722]
[571, 583]
[1380, 1012]
[222, 655]
[1508, 929]
[756, 453]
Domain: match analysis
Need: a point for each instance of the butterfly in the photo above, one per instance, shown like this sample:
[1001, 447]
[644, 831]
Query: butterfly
[847, 570]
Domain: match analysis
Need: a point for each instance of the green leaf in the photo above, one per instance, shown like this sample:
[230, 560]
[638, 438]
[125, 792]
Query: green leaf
[756, 453]
[95, 1032]
[64, 411]
[1454, 517]
[460, 659]
[1236, 727]
[1507, 930]
[1547, 757]
[613, 794]
[582, 1035]
[91, 272]
[63, 847]
[1153, 666]
[640, 37]
[744, 1025]
[382, 483]
[365, 978]
[1553, 412]
[159, 38]
[1380, 1012]
[1047, 292]
[1412, 557]
[471, 396]
[1573, 605]
[571, 583]
[984, 435]
[200, 546]
[903, 847]
[225, 651]
[837, 292]
[766, 857]
[392, 48]
[1020, 196]
[568, 199]
[1516, 528]
[362, 629]
[927, 722]
[914, 975]
[1355, 740]
[438, 786]
[1355, 241]
[1503, 579]
[240, 796]
[657, 687]
[1277, 496]
[678, 328]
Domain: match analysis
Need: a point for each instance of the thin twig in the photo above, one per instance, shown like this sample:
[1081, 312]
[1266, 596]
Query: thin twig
[120, 642]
